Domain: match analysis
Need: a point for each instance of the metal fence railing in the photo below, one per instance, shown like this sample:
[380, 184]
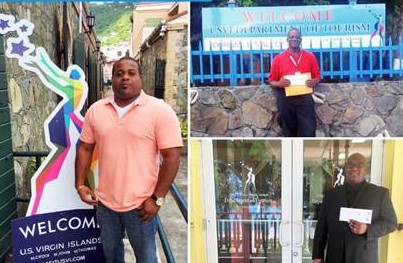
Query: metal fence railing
[261, 233]
[258, 237]
[210, 67]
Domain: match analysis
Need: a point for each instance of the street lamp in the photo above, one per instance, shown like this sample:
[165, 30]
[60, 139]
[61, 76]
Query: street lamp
[163, 29]
[90, 22]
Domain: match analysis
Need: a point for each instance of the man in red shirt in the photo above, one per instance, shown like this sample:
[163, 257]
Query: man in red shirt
[297, 116]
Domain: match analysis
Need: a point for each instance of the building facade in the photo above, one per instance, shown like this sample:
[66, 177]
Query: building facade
[162, 49]
[258, 200]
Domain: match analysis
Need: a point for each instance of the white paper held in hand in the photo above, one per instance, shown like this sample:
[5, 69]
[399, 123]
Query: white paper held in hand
[298, 79]
[360, 215]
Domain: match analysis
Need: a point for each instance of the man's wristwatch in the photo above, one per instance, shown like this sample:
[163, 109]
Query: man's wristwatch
[159, 201]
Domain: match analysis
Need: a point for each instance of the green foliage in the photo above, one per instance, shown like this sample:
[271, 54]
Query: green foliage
[113, 23]
[184, 128]
[32, 166]
[258, 152]
[224, 189]
[118, 32]
[394, 22]
[246, 3]
[327, 167]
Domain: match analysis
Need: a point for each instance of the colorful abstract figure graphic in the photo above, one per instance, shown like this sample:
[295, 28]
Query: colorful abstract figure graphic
[52, 186]
[378, 33]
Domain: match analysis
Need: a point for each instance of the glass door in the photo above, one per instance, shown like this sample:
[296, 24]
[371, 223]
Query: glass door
[262, 197]
[248, 202]
[323, 169]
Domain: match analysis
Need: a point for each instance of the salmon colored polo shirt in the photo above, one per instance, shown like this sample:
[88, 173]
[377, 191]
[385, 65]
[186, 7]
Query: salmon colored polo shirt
[129, 148]
[283, 65]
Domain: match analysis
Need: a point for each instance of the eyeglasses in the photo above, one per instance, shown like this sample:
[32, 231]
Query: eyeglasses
[356, 165]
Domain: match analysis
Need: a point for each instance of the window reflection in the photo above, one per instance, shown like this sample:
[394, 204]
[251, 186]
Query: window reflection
[247, 177]
[248, 181]
[324, 169]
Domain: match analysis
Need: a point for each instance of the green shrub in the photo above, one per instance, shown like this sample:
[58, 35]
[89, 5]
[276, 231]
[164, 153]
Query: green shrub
[184, 129]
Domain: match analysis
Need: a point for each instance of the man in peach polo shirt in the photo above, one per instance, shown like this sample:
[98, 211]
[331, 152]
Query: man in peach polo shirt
[131, 130]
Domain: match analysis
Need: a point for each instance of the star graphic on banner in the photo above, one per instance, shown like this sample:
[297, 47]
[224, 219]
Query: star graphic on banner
[19, 48]
[24, 28]
[4, 24]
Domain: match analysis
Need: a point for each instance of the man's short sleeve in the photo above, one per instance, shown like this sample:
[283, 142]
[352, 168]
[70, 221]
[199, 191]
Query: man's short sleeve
[87, 133]
[167, 129]
[274, 74]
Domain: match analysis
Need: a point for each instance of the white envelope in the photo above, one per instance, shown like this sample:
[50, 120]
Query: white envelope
[360, 215]
[298, 79]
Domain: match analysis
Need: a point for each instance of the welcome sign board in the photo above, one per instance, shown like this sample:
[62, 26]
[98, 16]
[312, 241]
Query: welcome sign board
[68, 236]
[57, 220]
[321, 26]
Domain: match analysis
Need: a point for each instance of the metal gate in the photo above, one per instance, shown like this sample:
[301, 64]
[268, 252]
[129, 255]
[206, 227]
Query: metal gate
[8, 207]
[159, 78]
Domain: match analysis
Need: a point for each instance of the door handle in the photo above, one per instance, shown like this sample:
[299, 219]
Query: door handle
[300, 226]
[282, 225]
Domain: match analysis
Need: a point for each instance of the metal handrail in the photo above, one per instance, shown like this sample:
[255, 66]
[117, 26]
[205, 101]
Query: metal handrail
[178, 197]
[180, 201]
[164, 242]
[182, 204]
[31, 154]
[38, 155]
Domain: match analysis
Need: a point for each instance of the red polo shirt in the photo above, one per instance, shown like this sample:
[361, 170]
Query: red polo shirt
[303, 62]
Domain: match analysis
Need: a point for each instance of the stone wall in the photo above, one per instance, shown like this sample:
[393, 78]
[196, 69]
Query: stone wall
[30, 101]
[148, 64]
[176, 70]
[173, 49]
[349, 110]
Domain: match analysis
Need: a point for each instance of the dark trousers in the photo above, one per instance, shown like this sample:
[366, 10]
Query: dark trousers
[297, 117]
